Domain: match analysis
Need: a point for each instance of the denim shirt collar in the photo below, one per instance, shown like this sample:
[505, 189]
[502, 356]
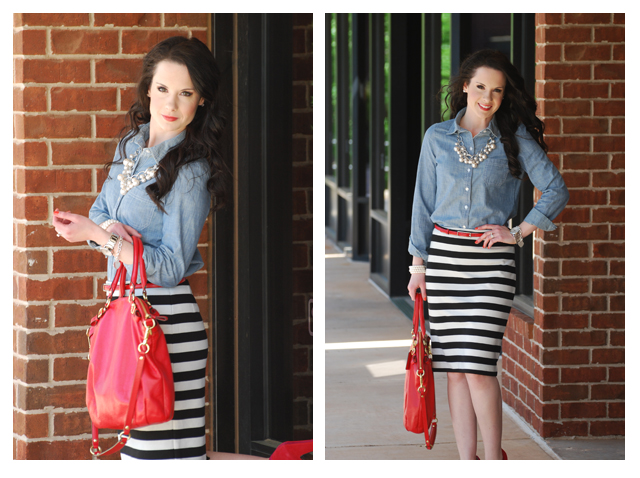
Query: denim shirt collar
[456, 128]
[159, 150]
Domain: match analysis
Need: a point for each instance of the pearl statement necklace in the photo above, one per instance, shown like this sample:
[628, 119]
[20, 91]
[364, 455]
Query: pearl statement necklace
[129, 181]
[467, 158]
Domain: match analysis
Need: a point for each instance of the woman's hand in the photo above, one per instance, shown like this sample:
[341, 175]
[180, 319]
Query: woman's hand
[77, 228]
[123, 231]
[495, 234]
[416, 282]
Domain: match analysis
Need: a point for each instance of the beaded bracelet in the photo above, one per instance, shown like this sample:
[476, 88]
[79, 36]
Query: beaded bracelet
[108, 222]
[419, 269]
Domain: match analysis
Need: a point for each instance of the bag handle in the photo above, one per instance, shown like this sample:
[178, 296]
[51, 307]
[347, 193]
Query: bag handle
[418, 315]
[138, 267]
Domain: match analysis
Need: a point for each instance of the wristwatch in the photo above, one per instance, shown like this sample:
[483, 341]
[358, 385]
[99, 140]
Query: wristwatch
[107, 249]
[517, 235]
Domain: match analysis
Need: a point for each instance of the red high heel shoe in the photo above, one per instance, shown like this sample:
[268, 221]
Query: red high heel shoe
[504, 455]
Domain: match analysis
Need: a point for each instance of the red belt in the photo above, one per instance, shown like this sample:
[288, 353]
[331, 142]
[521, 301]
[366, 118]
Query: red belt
[106, 286]
[458, 233]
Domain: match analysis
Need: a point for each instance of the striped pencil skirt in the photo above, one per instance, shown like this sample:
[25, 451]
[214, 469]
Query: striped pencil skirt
[183, 437]
[470, 290]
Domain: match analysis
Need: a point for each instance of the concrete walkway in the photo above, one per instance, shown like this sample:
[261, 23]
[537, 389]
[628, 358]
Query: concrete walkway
[365, 368]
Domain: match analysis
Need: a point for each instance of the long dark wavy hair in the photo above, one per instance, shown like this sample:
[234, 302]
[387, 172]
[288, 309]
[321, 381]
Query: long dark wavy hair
[517, 106]
[203, 134]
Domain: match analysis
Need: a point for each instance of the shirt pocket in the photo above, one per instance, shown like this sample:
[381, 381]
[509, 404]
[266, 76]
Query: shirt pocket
[137, 209]
[495, 170]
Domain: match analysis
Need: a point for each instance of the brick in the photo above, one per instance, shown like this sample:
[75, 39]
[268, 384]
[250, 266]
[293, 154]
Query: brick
[30, 154]
[616, 268]
[62, 288]
[53, 181]
[550, 107]
[583, 374]
[616, 374]
[71, 424]
[572, 144]
[585, 126]
[30, 262]
[609, 34]
[564, 392]
[607, 392]
[127, 19]
[32, 425]
[585, 161]
[608, 214]
[29, 42]
[607, 286]
[32, 208]
[562, 34]
[575, 303]
[77, 205]
[82, 152]
[564, 429]
[118, 70]
[588, 197]
[609, 143]
[67, 261]
[617, 90]
[587, 18]
[616, 302]
[576, 180]
[617, 160]
[608, 71]
[548, 52]
[86, 42]
[584, 268]
[607, 428]
[583, 410]
[64, 396]
[70, 368]
[30, 370]
[616, 338]
[618, 53]
[29, 99]
[551, 286]
[613, 355]
[303, 69]
[609, 108]
[69, 341]
[608, 249]
[617, 127]
[616, 198]
[51, 71]
[584, 233]
[585, 90]
[563, 321]
[587, 52]
[186, 19]
[563, 71]
[73, 315]
[51, 19]
[83, 99]
[31, 316]
[591, 338]
[141, 41]
[108, 127]
[617, 232]
[54, 126]
[616, 410]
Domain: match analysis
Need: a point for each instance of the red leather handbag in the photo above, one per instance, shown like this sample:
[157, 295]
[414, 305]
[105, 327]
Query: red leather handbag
[419, 389]
[129, 382]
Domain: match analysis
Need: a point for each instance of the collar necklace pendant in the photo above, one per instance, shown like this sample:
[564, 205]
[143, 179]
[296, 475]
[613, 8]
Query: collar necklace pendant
[129, 181]
[476, 159]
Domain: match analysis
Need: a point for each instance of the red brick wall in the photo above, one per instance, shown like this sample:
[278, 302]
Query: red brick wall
[564, 373]
[74, 76]
[302, 223]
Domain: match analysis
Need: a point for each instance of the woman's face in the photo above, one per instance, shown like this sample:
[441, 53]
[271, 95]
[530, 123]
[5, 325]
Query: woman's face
[485, 91]
[174, 100]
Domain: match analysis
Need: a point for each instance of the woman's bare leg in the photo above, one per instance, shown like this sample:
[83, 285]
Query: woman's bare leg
[463, 417]
[487, 402]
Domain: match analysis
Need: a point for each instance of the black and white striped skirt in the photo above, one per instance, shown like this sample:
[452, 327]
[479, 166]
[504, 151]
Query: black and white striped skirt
[470, 290]
[183, 437]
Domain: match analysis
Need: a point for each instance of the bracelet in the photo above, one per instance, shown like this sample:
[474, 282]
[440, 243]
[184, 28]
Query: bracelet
[517, 235]
[107, 249]
[419, 269]
[108, 222]
[117, 254]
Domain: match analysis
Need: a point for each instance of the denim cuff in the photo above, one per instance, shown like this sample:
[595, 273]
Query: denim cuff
[415, 252]
[538, 219]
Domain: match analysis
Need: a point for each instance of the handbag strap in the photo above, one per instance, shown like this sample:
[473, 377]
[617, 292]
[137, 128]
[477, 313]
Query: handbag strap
[123, 436]
[418, 315]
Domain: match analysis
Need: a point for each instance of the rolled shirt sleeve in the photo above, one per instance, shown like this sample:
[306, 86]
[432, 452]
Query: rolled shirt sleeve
[546, 178]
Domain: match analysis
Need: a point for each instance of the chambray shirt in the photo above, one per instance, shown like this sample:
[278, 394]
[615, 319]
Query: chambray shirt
[170, 240]
[456, 196]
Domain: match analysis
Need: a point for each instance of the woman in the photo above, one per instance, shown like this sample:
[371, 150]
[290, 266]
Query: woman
[165, 172]
[467, 189]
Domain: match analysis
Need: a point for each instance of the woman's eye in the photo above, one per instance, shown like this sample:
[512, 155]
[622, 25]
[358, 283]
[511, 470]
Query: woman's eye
[187, 93]
[162, 89]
